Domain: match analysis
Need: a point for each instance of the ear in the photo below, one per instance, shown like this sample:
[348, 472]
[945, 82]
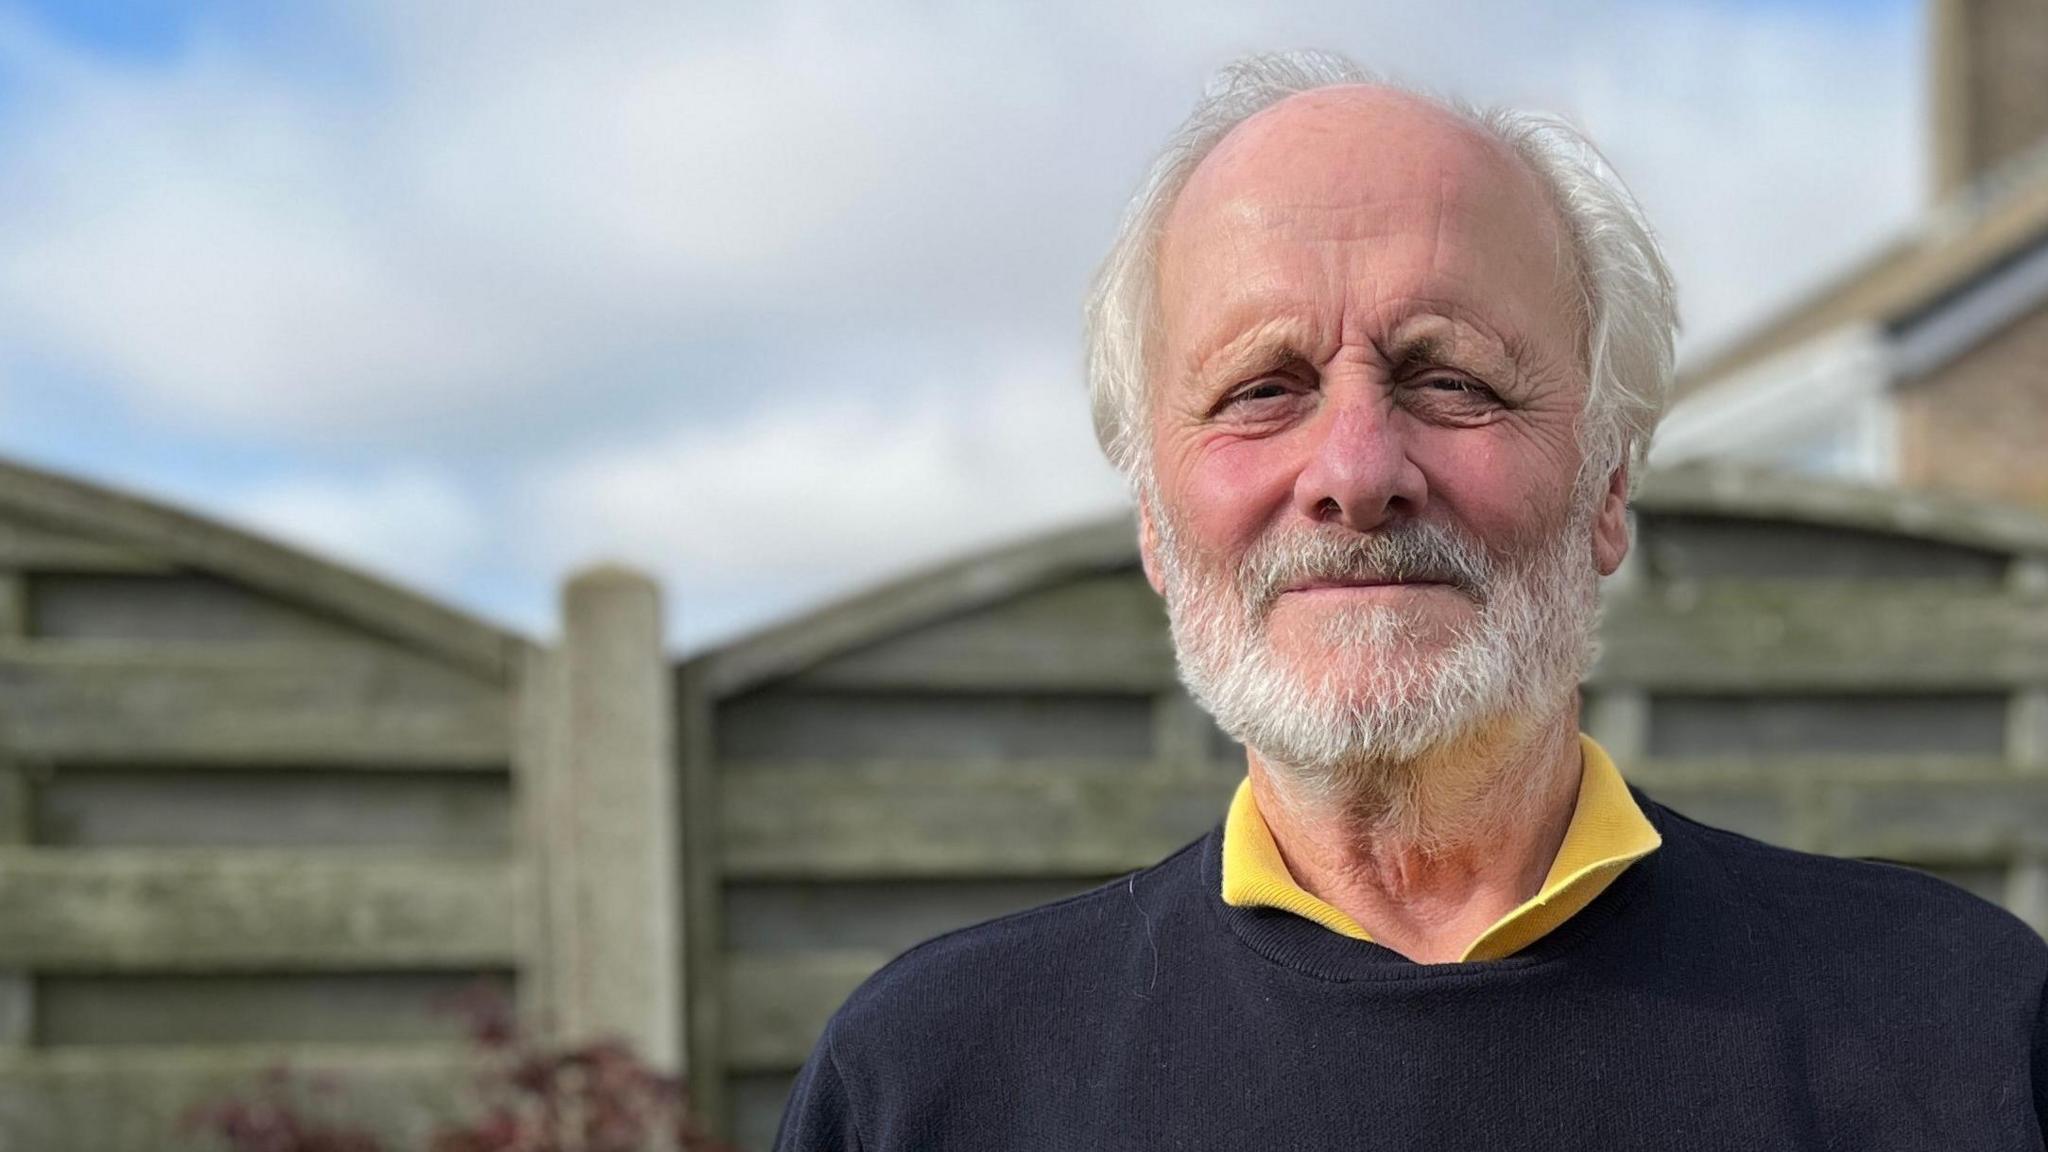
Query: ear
[1610, 522]
[1148, 545]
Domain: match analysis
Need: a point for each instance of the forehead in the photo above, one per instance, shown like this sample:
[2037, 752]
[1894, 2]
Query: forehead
[1387, 195]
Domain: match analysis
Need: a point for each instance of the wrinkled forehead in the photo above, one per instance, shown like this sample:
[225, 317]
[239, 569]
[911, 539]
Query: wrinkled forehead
[1372, 167]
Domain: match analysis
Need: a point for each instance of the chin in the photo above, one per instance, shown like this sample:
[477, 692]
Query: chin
[1340, 714]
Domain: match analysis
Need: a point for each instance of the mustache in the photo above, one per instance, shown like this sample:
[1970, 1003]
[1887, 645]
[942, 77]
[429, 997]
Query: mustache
[1408, 551]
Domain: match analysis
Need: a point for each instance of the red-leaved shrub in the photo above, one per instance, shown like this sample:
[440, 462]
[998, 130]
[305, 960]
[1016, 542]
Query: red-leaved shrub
[532, 1097]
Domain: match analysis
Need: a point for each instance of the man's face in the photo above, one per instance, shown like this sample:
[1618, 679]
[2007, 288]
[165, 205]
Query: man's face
[1364, 432]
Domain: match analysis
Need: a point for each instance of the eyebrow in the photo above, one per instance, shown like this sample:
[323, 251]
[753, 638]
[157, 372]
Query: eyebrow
[1462, 345]
[1426, 349]
[1264, 347]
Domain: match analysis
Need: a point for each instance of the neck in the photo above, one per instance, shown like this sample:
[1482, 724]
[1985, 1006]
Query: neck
[1426, 856]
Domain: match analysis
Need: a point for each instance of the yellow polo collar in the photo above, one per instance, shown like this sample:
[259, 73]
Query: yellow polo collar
[1608, 833]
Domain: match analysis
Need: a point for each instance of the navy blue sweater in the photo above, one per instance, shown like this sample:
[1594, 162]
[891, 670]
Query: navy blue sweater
[1721, 994]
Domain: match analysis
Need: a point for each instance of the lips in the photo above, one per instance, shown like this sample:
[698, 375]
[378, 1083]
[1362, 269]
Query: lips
[1321, 585]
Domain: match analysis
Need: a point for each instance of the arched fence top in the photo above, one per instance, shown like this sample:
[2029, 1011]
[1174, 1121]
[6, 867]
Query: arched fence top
[1765, 494]
[957, 586]
[1109, 544]
[156, 533]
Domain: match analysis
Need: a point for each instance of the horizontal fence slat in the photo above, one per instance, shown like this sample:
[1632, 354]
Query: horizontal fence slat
[1104, 634]
[1937, 821]
[140, 910]
[259, 705]
[1824, 636]
[1706, 637]
[876, 819]
[71, 507]
[26, 548]
[777, 1003]
[136, 1100]
[891, 820]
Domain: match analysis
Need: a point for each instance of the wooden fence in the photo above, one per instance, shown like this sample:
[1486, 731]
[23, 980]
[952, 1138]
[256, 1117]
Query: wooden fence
[255, 807]
[1841, 670]
[252, 806]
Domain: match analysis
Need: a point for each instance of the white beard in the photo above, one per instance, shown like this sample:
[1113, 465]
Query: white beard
[1389, 726]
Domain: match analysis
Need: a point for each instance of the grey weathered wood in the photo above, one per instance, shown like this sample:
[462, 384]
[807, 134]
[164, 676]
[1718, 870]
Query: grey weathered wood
[1992, 818]
[182, 607]
[705, 1016]
[2028, 575]
[14, 609]
[101, 1009]
[780, 1001]
[134, 1099]
[899, 820]
[465, 811]
[1872, 724]
[615, 949]
[17, 803]
[17, 985]
[922, 599]
[800, 915]
[1113, 623]
[1778, 636]
[1720, 547]
[2027, 729]
[789, 724]
[1181, 732]
[539, 754]
[1709, 490]
[2027, 722]
[1619, 718]
[1773, 814]
[1821, 636]
[70, 507]
[1787, 770]
[970, 819]
[26, 547]
[757, 1101]
[142, 910]
[17, 1010]
[259, 705]
[1760, 493]
[2026, 889]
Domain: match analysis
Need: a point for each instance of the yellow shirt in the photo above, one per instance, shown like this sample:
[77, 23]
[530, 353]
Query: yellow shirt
[1608, 832]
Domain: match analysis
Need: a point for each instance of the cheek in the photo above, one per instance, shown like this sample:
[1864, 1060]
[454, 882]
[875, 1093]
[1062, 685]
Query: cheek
[1231, 489]
[1489, 480]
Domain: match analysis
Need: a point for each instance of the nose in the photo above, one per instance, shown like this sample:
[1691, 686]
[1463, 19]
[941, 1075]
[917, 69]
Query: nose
[1359, 472]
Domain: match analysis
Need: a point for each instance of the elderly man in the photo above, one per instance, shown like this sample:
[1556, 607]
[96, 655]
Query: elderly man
[1380, 371]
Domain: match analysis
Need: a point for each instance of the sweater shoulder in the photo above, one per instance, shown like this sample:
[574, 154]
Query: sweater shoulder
[1847, 904]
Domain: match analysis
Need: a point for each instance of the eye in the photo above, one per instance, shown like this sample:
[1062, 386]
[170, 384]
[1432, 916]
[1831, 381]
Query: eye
[1453, 385]
[1451, 398]
[1261, 395]
[1266, 389]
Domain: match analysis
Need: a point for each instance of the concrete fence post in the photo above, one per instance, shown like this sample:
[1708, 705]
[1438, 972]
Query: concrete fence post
[2026, 747]
[17, 986]
[605, 821]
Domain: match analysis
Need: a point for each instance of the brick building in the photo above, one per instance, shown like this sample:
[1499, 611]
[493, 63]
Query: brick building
[1927, 365]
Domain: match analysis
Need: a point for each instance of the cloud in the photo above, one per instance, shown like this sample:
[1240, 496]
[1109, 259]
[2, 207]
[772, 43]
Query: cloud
[408, 521]
[778, 298]
[813, 498]
[1773, 146]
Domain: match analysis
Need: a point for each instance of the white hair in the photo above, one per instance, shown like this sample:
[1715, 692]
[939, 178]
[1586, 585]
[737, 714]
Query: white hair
[1625, 295]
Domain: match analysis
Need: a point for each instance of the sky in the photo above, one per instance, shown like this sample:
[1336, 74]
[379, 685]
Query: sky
[775, 301]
